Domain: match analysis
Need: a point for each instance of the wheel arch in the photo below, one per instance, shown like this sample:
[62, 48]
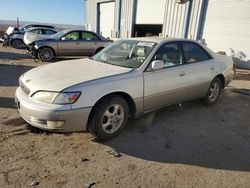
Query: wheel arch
[124, 95]
[222, 79]
[46, 47]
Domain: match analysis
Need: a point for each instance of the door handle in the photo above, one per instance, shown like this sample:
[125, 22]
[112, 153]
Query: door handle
[212, 68]
[182, 74]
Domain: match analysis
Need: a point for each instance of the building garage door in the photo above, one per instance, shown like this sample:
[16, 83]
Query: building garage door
[227, 26]
[149, 17]
[106, 18]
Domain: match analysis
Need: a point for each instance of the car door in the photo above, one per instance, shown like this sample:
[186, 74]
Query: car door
[89, 43]
[200, 68]
[69, 44]
[165, 86]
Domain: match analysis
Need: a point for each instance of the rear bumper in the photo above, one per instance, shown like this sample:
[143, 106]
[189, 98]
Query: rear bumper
[51, 117]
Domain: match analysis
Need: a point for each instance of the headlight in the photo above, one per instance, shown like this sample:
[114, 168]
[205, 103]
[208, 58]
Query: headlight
[35, 46]
[45, 96]
[56, 98]
[67, 98]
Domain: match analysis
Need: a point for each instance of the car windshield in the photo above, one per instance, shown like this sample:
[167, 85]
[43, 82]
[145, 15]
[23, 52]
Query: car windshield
[125, 53]
[58, 35]
[23, 27]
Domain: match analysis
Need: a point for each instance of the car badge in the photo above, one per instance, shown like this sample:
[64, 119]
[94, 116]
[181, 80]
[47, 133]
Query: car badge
[27, 81]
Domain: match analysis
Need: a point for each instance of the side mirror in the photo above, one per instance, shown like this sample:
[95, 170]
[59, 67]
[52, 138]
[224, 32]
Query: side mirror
[157, 65]
[63, 38]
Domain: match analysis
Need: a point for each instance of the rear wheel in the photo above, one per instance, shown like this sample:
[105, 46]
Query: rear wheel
[45, 54]
[213, 92]
[17, 43]
[109, 117]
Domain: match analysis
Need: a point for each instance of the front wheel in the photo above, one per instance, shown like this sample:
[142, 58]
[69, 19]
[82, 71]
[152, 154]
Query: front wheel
[17, 43]
[45, 54]
[213, 92]
[109, 117]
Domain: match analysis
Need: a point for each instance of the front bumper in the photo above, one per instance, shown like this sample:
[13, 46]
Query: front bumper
[6, 40]
[41, 115]
[32, 51]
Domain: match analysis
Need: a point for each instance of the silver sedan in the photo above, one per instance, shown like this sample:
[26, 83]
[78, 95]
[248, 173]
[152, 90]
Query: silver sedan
[125, 80]
[69, 42]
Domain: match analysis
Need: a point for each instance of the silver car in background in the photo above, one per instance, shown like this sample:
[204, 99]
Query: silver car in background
[19, 39]
[125, 80]
[69, 42]
[11, 31]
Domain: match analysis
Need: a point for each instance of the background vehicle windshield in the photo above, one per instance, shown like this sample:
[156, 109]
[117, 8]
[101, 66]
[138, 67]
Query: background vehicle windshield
[125, 53]
[58, 35]
[23, 27]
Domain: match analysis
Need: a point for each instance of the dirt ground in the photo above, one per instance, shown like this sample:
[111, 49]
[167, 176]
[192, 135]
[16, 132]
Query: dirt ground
[187, 146]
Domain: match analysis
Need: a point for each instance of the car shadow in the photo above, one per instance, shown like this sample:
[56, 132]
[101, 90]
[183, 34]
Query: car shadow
[9, 74]
[7, 102]
[13, 56]
[215, 137]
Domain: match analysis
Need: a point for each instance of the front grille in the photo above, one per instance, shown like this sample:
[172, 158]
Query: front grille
[25, 89]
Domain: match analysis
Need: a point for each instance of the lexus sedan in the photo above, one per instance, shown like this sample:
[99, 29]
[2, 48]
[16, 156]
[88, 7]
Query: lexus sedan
[68, 42]
[125, 80]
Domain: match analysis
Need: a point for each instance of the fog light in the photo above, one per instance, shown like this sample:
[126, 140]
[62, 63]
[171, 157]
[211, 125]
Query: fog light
[55, 124]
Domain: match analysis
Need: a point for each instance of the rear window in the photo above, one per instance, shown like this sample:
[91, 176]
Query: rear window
[194, 53]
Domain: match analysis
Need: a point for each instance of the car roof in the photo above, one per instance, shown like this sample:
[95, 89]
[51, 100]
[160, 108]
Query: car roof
[159, 39]
[75, 29]
[33, 28]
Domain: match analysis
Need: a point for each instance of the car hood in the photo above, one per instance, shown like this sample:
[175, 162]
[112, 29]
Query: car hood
[10, 30]
[61, 75]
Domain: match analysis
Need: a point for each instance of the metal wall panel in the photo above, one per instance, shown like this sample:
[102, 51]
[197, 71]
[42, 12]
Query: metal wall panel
[127, 7]
[174, 19]
[107, 19]
[228, 26]
[194, 19]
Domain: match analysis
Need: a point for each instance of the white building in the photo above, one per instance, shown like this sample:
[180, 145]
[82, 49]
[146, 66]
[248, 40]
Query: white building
[224, 24]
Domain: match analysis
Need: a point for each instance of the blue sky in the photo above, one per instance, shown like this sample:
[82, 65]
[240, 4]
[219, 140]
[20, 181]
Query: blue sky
[47, 11]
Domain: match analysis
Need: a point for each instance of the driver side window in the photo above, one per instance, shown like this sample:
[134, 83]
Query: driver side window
[170, 54]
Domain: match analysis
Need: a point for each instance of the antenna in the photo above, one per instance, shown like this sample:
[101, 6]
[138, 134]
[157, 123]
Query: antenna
[17, 22]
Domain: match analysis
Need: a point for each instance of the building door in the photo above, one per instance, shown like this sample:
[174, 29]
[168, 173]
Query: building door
[227, 27]
[106, 19]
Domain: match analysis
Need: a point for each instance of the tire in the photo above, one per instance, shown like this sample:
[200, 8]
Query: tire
[45, 54]
[17, 43]
[213, 92]
[109, 117]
